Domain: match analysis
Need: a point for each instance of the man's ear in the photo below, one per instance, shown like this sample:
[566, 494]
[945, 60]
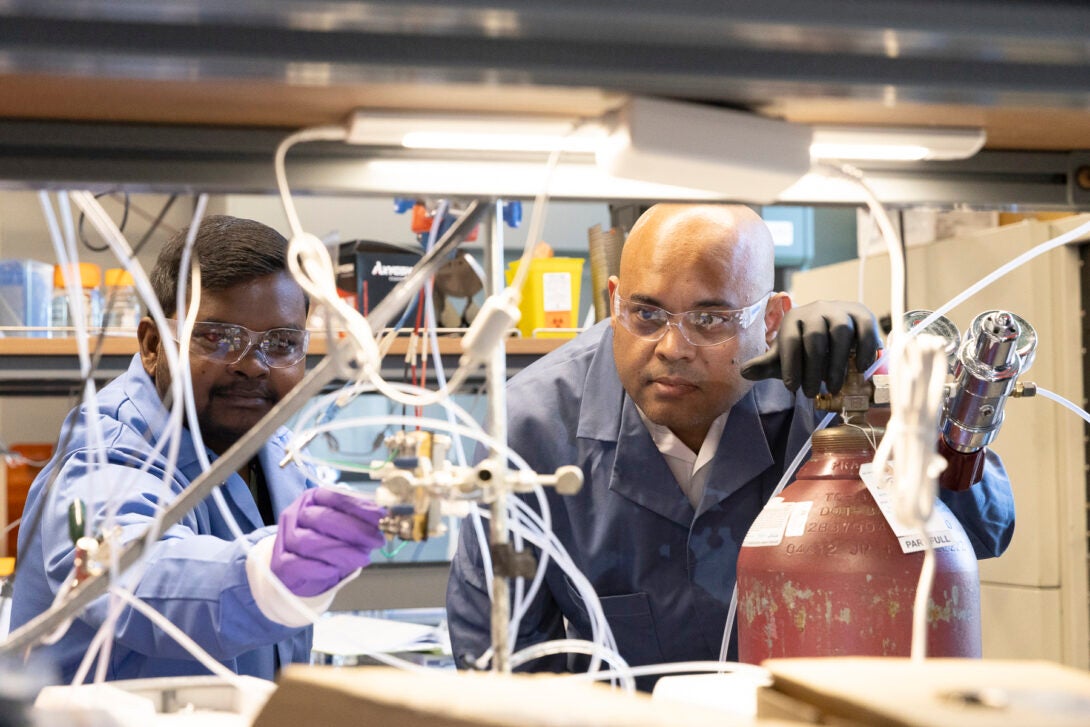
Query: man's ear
[778, 305]
[148, 336]
[611, 286]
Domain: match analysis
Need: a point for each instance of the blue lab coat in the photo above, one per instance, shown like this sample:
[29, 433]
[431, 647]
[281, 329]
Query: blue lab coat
[663, 571]
[196, 574]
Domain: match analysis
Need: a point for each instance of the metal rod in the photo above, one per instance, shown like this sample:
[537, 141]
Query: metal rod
[240, 452]
[496, 381]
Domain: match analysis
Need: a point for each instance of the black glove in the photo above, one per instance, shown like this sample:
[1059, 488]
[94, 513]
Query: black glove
[813, 345]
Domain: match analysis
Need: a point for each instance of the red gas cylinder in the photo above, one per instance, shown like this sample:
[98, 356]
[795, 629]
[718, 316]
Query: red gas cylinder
[838, 583]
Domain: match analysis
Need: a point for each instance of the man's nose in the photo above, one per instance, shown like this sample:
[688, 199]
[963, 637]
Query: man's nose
[253, 361]
[674, 344]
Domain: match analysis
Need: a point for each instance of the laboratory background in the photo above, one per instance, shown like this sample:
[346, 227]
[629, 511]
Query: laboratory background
[457, 181]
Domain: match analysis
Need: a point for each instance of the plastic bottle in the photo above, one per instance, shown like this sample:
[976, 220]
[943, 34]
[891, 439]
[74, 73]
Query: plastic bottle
[121, 303]
[60, 314]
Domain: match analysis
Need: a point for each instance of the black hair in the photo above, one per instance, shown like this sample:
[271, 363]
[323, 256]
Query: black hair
[230, 250]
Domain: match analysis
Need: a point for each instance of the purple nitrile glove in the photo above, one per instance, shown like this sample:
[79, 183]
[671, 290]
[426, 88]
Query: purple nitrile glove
[323, 537]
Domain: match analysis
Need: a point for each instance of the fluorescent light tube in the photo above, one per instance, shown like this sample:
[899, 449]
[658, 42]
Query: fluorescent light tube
[474, 132]
[894, 143]
[570, 180]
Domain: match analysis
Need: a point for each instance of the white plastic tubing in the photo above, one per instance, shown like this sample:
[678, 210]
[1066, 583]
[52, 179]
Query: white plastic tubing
[534, 527]
[170, 438]
[182, 394]
[917, 370]
[897, 307]
[309, 262]
[911, 430]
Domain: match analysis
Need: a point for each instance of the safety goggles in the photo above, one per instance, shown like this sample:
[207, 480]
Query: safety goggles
[703, 327]
[229, 343]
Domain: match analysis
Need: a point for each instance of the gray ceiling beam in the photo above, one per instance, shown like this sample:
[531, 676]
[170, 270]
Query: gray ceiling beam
[771, 21]
[739, 66]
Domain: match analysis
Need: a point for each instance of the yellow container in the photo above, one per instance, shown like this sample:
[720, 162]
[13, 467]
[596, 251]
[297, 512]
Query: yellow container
[115, 277]
[90, 275]
[550, 297]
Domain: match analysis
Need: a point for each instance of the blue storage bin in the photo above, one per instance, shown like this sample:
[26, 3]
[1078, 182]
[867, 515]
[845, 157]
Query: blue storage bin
[26, 288]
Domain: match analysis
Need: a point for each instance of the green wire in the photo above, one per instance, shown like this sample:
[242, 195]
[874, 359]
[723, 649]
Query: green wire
[396, 550]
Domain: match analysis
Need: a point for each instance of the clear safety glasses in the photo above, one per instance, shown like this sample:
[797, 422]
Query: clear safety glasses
[703, 327]
[228, 343]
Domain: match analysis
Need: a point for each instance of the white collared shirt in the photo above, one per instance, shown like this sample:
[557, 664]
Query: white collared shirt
[690, 468]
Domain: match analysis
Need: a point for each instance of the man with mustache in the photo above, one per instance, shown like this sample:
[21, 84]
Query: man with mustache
[679, 449]
[247, 351]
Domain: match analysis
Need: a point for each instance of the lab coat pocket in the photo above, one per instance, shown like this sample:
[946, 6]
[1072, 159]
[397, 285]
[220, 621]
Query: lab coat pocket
[629, 618]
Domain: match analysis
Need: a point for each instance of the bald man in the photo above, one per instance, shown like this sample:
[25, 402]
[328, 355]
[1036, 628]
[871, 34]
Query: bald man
[679, 450]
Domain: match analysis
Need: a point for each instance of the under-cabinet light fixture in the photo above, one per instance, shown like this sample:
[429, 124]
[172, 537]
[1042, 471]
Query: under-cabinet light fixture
[730, 154]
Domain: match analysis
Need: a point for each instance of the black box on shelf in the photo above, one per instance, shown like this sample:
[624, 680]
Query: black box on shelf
[369, 270]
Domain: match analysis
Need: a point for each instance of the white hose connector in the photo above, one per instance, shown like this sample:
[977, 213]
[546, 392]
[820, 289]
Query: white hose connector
[499, 315]
[310, 265]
